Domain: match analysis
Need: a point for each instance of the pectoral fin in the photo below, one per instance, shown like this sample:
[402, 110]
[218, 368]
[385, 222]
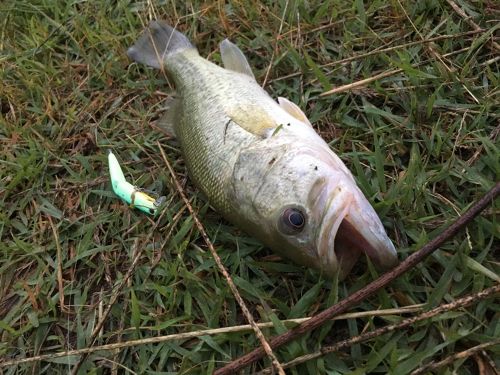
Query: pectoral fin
[234, 59]
[293, 110]
[253, 119]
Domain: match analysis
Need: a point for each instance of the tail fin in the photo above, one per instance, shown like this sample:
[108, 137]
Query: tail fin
[156, 43]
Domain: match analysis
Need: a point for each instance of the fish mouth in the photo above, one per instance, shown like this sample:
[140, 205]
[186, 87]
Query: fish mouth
[350, 228]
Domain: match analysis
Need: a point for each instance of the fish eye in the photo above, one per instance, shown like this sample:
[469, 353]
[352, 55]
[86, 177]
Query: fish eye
[292, 221]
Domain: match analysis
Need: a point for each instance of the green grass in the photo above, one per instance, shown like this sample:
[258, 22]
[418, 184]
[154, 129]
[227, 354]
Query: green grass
[423, 145]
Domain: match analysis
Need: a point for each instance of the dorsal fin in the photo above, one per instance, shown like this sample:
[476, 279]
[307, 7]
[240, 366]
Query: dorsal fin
[293, 110]
[234, 59]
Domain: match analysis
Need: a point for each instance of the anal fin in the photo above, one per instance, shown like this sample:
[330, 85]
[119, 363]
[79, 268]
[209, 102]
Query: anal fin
[170, 117]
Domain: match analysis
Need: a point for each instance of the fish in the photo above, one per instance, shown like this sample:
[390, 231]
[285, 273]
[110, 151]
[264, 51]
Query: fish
[260, 162]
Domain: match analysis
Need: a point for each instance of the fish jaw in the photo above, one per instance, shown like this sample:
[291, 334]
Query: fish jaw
[350, 227]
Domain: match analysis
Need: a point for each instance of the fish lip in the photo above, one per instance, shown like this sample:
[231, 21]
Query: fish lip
[336, 202]
[362, 239]
[349, 228]
[364, 224]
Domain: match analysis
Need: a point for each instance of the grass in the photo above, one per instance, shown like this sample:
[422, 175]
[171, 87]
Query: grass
[422, 143]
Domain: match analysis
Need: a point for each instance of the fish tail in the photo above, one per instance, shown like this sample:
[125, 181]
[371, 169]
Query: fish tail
[157, 43]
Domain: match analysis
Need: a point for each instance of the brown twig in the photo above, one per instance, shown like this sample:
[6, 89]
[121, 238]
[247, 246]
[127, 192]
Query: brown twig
[376, 77]
[265, 345]
[102, 320]
[60, 283]
[199, 333]
[429, 46]
[469, 20]
[362, 82]
[466, 353]
[75, 186]
[433, 51]
[114, 297]
[486, 365]
[457, 304]
[368, 290]
[384, 50]
[275, 45]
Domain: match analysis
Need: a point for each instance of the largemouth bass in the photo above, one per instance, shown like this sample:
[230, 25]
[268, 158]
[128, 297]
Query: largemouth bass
[260, 162]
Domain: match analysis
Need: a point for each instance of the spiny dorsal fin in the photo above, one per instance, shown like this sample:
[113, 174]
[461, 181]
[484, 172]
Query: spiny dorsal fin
[167, 121]
[293, 110]
[234, 59]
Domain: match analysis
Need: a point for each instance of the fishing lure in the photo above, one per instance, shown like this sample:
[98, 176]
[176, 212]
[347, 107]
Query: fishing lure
[135, 197]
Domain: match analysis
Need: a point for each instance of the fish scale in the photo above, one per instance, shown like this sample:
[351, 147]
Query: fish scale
[208, 154]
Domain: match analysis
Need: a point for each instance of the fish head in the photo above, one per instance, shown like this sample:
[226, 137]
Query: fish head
[299, 199]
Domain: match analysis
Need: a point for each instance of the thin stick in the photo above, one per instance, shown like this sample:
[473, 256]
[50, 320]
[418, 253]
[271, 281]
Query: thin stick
[383, 50]
[114, 297]
[368, 290]
[362, 82]
[376, 77]
[265, 345]
[469, 20]
[429, 46]
[466, 353]
[60, 283]
[104, 316]
[436, 54]
[202, 332]
[457, 304]
[275, 45]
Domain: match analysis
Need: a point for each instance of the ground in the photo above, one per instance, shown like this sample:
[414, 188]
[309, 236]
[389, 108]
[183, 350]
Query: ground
[421, 140]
